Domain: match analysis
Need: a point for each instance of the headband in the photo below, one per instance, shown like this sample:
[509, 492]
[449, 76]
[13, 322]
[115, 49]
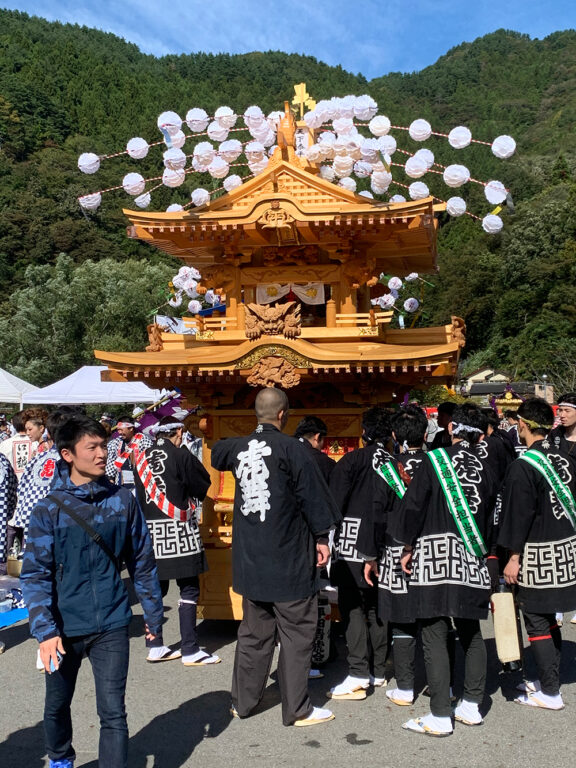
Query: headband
[457, 427]
[534, 425]
[566, 405]
[156, 429]
[125, 425]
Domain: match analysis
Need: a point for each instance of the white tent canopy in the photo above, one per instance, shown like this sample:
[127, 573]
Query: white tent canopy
[12, 389]
[85, 386]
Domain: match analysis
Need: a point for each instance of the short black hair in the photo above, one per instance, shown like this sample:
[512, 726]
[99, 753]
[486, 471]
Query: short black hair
[569, 397]
[410, 425]
[18, 421]
[470, 415]
[376, 424]
[539, 412]
[448, 407]
[58, 417]
[509, 414]
[310, 426]
[492, 416]
[126, 418]
[73, 429]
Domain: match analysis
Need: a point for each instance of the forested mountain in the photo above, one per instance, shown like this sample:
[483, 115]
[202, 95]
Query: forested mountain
[67, 89]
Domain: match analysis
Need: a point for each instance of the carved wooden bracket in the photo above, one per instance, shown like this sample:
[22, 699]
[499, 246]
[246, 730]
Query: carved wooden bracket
[264, 319]
[273, 372]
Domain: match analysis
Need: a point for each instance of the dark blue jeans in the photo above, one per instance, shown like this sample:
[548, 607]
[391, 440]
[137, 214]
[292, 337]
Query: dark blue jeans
[108, 654]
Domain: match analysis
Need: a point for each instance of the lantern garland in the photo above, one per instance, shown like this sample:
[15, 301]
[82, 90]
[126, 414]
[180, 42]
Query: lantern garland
[340, 151]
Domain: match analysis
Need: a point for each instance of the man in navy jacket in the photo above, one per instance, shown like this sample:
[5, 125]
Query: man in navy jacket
[77, 601]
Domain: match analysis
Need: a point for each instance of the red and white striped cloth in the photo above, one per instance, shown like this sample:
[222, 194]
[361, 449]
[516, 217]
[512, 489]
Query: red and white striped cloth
[157, 496]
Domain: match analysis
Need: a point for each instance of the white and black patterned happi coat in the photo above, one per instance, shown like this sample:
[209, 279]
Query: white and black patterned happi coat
[446, 579]
[534, 523]
[35, 485]
[177, 545]
[364, 499]
[281, 505]
[8, 483]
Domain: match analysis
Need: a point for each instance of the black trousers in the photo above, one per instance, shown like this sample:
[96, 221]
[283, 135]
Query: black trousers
[435, 641]
[404, 650]
[546, 644]
[366, 634]
[294, 624]
[187, 614]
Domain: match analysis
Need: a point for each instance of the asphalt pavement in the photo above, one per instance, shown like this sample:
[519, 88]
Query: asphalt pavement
[179, 716]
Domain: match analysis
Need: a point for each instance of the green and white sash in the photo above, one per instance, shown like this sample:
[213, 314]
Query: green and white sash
[393, 479]
[457, 503]
[542, 463]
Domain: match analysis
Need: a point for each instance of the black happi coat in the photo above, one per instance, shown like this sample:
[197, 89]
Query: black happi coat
[281, 505]
[364, 498]
[446, 579]
[534, 524]
[558, 439]
[392, 581]
[177, 545]
[324, 462]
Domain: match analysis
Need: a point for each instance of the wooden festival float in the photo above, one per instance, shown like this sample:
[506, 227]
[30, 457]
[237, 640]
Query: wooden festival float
[296, 260]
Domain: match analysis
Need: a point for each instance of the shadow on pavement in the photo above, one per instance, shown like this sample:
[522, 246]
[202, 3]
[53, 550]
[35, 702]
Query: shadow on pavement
[171, 738]
[24, 748]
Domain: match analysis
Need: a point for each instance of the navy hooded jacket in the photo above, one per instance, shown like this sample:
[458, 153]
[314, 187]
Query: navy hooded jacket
[70, 585]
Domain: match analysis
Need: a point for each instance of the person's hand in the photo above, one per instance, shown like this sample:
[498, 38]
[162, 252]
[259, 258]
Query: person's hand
[149, 635]
[370, 569]
[49, 650]
[322, 554]
[512, 570]
[406, 560]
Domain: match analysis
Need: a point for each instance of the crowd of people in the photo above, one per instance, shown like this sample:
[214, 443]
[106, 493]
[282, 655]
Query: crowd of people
[414, 537]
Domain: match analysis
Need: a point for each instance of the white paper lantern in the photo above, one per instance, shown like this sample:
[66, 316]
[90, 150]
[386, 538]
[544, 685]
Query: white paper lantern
[174, 159]
[456, 175]
[418, 190]
[225, 117]
[137, 148]
[343, 125]
[133, 183]
[232, 182]
[230, 150]
[362, 170]
[366, 193]
[420, 130]
[492, 224]
[253, 116]
[217, 132]
[459, 137]
[348, 183]
[194, 307]
[143, 201]
[415, 167]
[200, 197]
[456, 206]
[174, 207]
[254, 151]
[365, 107]
[394, 283]
[397, 199]
[88, 162]
[379, 125]
[176, 300]
[197, 120]
[411, 305]
[178, 140]
[204, 152]
[426, 156]
[495, 192]
[172, 178]
[387, 144]
[169, 122]
[503, 147]
[90, 202]
[411, 277]
[218, 168]
[327, 172]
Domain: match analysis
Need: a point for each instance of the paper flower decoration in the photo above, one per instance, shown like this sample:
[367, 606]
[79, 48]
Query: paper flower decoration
[415, 167]
[366, 193]
[194, 306]
[380, 182]
[174, 207]
[394, 283]
[143, 201]
[327, 172]
[492, 224]
[185, 274]
[456, 206]
[418, 190]
[176, 300]
[90, 202]
[137, 148]
[253, 116]
[172, 178]
[200, 197]
[232, 182]
[385, 302]
[218, 168]
[230, 150]
[254, 151]
[411, 277]
[420, 130]
[133, 183]
[204, 152]
[387, 144]
[348, 184]
[459, 137]
[370, 150]
[362, 169]
[456, 175]
[397, 199]
[88, 162]
[411, 305]
[174, 159]
[503, 147]
[257, 166]
[426, 156]
[225, 117]
[169, 122]
[379, 125]
[197, 120]
[495, 192]
[365, 107]
[178, 140]
[217, 132]
[343, 166]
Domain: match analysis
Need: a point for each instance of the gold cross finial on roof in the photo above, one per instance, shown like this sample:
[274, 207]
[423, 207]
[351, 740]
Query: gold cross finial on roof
[302, 98]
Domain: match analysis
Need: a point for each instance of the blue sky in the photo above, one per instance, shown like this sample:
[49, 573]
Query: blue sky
[373, 37]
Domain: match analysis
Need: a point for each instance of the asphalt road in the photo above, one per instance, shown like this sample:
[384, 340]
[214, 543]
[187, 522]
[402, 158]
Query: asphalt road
[180, 717]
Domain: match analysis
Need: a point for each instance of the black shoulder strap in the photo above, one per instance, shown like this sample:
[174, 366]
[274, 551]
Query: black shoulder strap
[94, 535]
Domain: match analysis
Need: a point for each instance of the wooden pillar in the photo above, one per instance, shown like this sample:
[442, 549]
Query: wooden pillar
[330, 313]
[364, 304]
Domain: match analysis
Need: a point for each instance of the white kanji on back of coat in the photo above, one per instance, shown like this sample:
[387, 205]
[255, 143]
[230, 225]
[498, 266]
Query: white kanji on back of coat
[252, 474]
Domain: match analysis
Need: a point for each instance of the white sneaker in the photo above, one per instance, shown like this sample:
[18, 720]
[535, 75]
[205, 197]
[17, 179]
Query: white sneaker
[351, 689]
[315, 717]
[164, 653]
